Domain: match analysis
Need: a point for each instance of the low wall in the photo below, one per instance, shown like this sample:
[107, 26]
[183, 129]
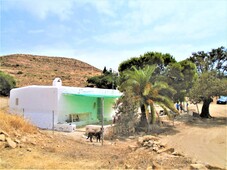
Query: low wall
[65, 127]
[108, 130]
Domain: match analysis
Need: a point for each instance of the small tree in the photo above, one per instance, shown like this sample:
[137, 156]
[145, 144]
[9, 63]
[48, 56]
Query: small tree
[108, 80]
[127, 114]
[212, 70]
[7, 82]
[206, 87]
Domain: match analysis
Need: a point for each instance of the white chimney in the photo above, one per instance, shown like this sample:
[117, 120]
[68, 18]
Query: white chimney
[57, 82]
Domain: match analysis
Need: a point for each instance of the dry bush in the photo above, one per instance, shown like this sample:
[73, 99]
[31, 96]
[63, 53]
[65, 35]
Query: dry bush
[10, 122]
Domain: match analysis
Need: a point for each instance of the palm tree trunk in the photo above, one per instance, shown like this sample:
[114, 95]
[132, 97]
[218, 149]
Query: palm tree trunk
[147, 117]
[143, 120]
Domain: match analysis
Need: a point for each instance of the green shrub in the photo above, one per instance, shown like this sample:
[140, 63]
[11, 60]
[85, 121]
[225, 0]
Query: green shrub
[7, 82]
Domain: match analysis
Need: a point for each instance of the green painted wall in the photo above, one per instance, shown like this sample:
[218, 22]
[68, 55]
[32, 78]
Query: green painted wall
[69, 104]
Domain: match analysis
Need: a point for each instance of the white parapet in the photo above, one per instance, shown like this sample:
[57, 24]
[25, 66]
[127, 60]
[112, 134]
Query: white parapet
[65, 127]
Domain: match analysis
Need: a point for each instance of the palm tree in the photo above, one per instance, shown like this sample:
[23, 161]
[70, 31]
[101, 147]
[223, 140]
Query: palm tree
[139, 82]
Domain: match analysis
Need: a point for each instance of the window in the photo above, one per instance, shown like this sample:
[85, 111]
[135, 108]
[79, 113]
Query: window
[17, 101]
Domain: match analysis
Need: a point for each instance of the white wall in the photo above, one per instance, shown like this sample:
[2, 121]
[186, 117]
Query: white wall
[37, 103]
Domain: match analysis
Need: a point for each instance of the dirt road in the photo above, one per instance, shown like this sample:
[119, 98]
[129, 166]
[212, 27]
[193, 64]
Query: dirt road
[202, 140]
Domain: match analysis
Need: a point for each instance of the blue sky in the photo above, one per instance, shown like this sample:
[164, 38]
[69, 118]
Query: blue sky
[107, 32]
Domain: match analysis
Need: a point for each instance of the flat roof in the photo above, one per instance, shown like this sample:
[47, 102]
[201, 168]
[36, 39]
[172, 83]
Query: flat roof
[92, 92]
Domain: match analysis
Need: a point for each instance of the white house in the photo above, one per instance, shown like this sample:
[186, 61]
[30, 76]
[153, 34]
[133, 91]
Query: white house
[58, 106]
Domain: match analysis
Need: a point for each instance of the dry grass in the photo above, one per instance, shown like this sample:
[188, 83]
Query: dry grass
[10, 122]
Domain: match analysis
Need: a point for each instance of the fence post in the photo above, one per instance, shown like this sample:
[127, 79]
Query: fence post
[102, 112]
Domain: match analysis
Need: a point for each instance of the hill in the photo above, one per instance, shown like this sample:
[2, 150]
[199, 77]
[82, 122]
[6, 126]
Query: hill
[41, 70]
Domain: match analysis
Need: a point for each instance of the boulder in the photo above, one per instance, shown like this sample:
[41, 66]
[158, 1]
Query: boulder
[3, 132]
[2, 137]
[11, 143]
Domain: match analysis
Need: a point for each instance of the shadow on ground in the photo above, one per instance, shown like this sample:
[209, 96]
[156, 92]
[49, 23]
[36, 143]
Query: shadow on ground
[202, 122]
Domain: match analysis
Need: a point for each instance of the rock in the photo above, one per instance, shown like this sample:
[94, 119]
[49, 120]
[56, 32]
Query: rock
[17, 141]
[166, 150]
[155, 148]
[162, 145]
[148, 168]
[140, 141]
[33, 143]
[157, 142]
[132, 147]
[2, 145]
[131, 137]
[145, 144]
[198, 167]
[29, 149]
[11, 143]
[21, 146]
[150, 137]
[17, 134]
[3, 132]
[128, 140]
[156, 165]
[175, 153]
[2, 137]
[24, 139]
[20, 153]
[212, 167]
[151, 142]
[127, 166]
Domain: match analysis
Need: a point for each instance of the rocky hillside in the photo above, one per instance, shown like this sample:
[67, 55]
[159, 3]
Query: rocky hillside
[41, 70]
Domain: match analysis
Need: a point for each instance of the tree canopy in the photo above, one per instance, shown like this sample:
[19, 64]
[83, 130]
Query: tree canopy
[108, 80]
[149, 58]
[212, 80]
[215, 60]
[180, 76]
[138, 81]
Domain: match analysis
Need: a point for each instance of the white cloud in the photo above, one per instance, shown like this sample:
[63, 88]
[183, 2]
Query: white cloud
[166, 21]
[43, 8]
[107, 32]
